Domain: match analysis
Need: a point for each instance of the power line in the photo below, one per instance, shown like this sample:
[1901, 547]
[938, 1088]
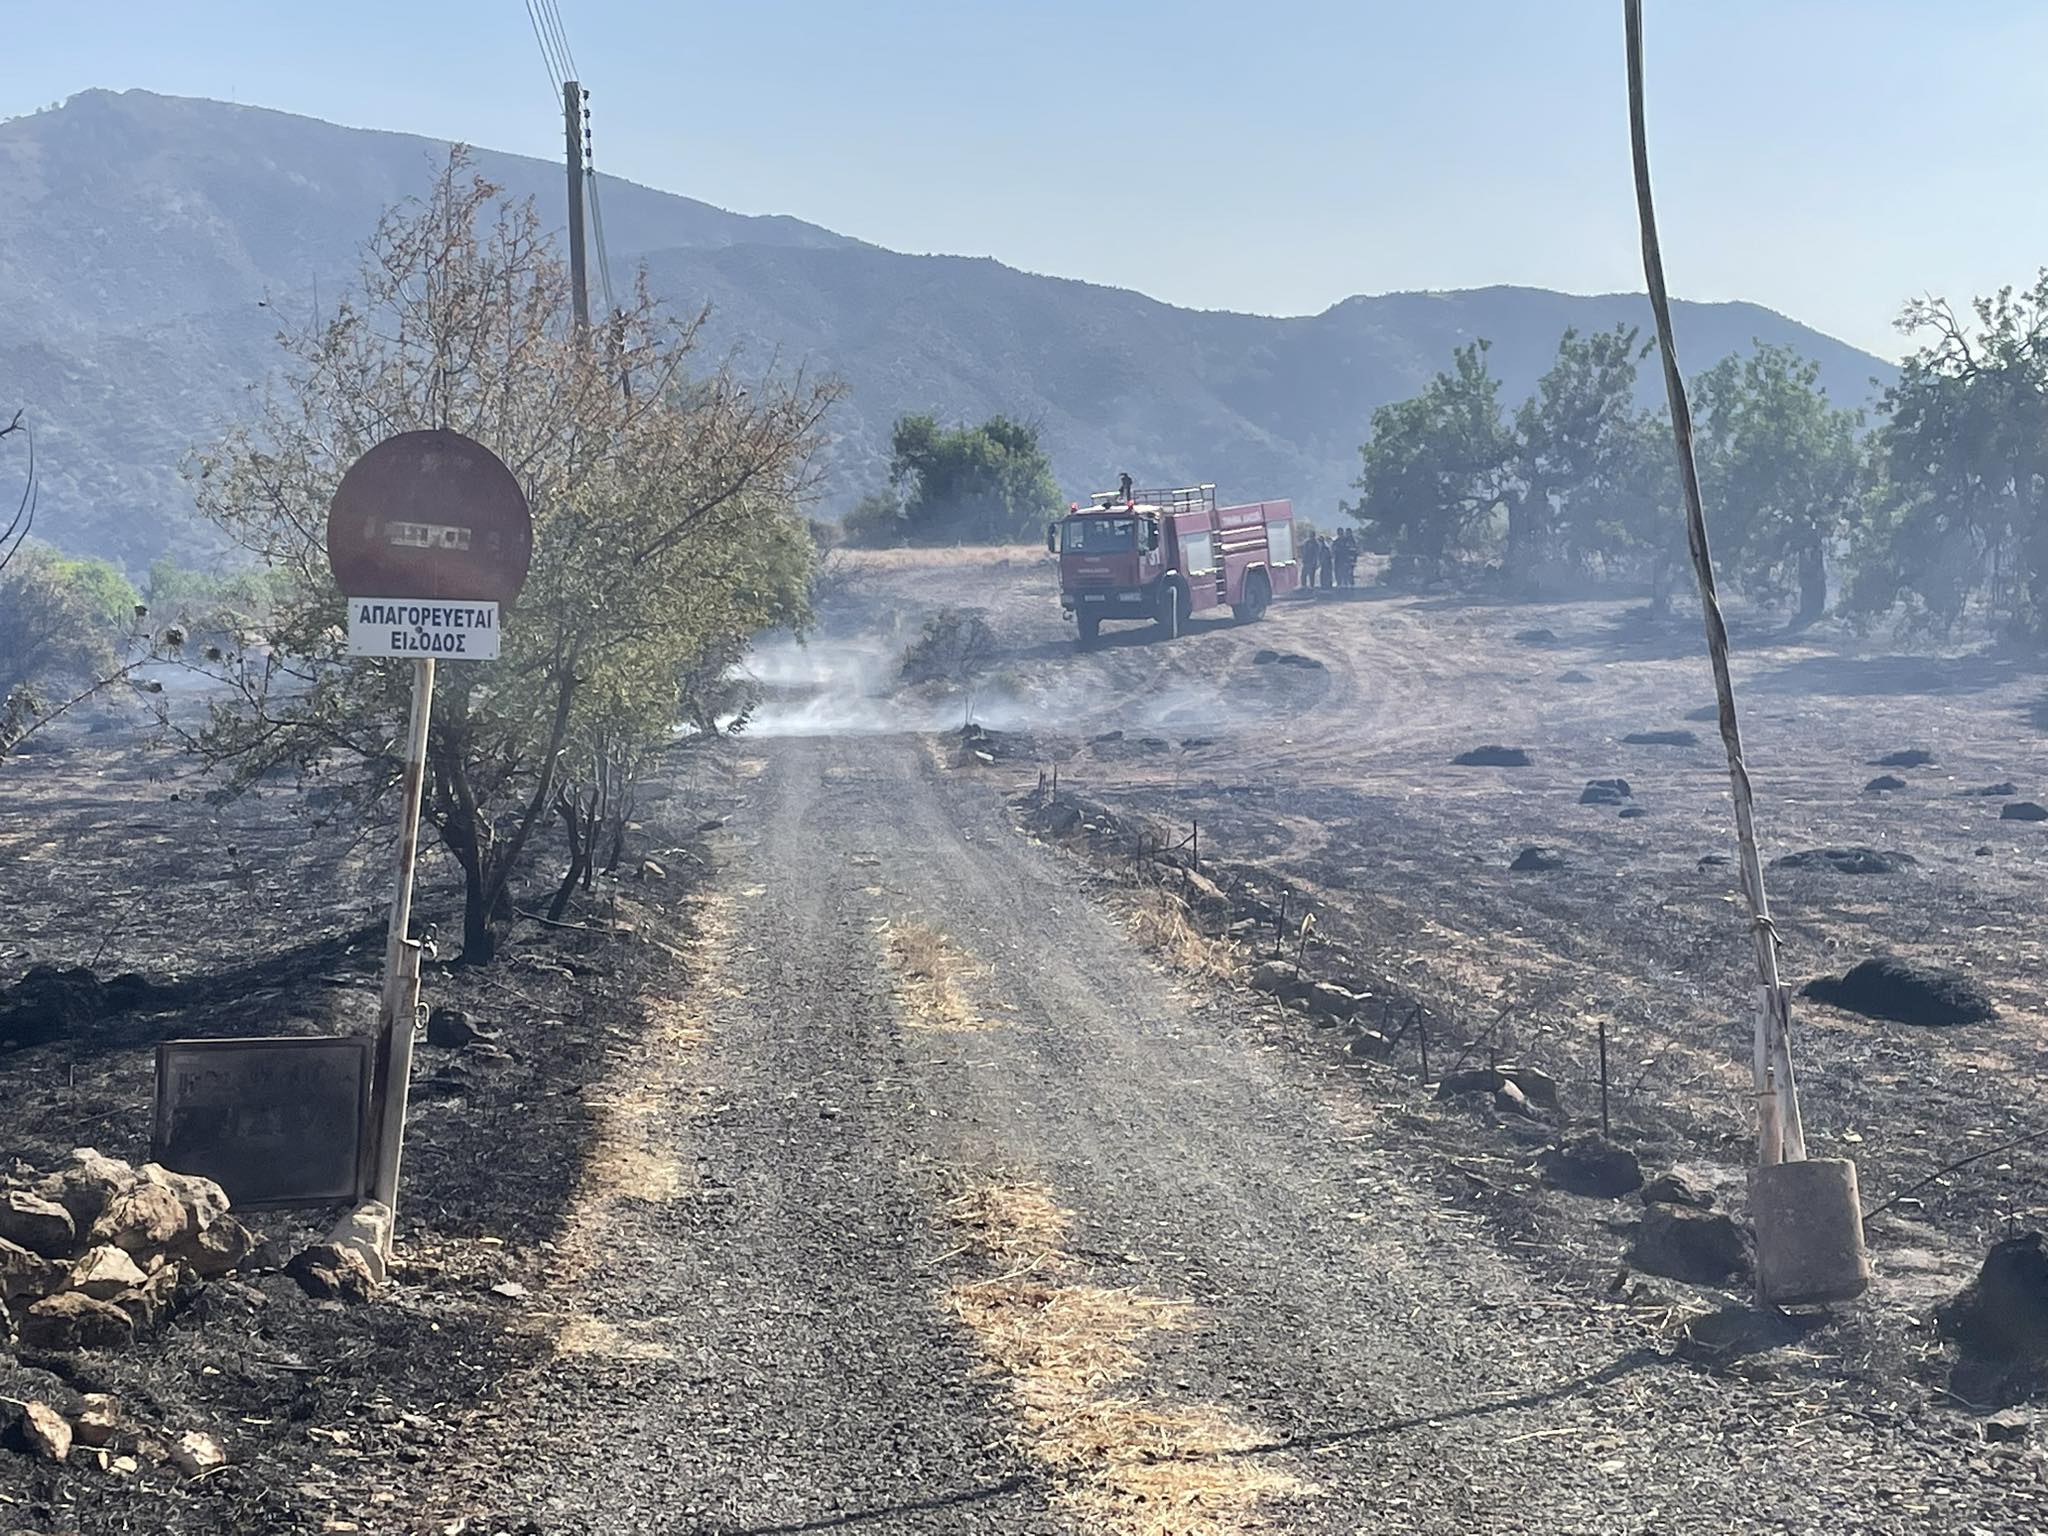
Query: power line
[547, 57]
[551, 13]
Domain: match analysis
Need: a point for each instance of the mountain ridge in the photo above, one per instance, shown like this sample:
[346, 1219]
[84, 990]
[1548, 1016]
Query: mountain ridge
[151, 242]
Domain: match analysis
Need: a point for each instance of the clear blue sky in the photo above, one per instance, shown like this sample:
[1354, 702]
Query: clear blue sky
[1826, 159]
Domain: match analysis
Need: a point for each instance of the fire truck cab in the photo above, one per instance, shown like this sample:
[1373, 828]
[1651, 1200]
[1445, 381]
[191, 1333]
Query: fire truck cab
[1162, 556]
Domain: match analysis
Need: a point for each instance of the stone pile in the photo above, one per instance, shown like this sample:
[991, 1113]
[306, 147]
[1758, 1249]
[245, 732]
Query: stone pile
[100, 1253]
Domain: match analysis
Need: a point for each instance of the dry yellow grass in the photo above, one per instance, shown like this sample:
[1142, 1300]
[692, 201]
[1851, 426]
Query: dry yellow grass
[1125, 1467]
[1160, 921]
[928, 967]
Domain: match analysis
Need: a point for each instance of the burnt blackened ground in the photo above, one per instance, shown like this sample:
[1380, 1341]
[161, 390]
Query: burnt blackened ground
[255, 921]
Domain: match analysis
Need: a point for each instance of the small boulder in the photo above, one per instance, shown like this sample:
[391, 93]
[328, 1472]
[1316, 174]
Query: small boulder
[152, 1303]
[1884, 784]
[1604, 792]
[1661, 739]
[1493, 756]
[1887, 987]
[2003, 1313]
[1368, 1045]
[650, 870]
[1997, 791]
[1676, 1189]
[1682, 1242]
[1593, 1165]
[41, 1226]
[450, 1028]
[1538, 1086]
[221, 1246]
[44, 1432]
[1470, 1080]
[1633, 813]
[1536, 859]
[1911, 757]
[1331, 1001]
[1573, 676]
[195, 1452]
[96, 1422]
[1535, 637]
[1853, 860]
[204, 1201]
[2008, 1426]
[86, 1184]
[2023, 810]
[143, 1217]
[70, 1320]
[1510, 1100]
[26, 1274]
[1282, 978]
[332, 1272]
[105, 1272]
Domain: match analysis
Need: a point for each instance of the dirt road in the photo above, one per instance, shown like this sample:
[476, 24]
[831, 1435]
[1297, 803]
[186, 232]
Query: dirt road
[772, 1318]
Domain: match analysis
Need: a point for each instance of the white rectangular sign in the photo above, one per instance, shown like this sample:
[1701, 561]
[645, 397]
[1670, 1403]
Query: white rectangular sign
[419, 627]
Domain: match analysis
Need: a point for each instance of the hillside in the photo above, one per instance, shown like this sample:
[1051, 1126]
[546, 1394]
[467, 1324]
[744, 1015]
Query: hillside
[149, 246]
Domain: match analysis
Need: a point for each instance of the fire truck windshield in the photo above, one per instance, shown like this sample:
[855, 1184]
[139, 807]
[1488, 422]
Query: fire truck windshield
[1098, 535]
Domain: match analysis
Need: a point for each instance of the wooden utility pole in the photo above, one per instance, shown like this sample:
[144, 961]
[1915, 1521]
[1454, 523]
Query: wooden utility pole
[1781, 1138]
[572, 128]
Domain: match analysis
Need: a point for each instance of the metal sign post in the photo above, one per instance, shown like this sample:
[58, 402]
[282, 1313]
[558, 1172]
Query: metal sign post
[429, 535]
[398, 1012]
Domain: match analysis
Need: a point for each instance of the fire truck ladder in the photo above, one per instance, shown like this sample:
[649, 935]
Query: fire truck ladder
[1186, 498]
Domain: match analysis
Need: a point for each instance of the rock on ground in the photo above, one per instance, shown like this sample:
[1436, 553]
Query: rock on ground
[1884, 784]
[1604, 792]
[1992, 791]
[71, 1320]
[41, 1226]
[2023, 810]
[1887, 987]
[332, 1272]
[1911, 757]
[1493, 756]
[1676, 1189]
[2003, 1313]
[1683, 1242]
[1595, 1166]
[1661, 739]
[1853, 860]
[1536, 859]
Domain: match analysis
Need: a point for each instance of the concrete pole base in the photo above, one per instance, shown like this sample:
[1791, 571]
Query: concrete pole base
[1809, 1233]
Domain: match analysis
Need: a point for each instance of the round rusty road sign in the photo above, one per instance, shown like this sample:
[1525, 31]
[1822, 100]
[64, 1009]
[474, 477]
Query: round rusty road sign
[430, 514]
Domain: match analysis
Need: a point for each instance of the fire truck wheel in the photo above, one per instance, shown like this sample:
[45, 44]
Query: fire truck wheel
[1090, 628]
[1258, 592]
[1173, 610]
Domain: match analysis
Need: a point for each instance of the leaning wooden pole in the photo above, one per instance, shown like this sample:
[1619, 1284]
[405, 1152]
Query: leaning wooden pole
[1780, 1135]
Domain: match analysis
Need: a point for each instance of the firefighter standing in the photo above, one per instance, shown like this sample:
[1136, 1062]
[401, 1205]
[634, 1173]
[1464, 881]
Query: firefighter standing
[1346, 552]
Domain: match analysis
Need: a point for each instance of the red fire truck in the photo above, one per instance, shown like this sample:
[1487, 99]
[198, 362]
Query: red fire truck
[1162, 555]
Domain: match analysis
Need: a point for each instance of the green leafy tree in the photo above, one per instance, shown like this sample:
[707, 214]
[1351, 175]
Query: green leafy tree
[991, 484]
[1577, 468]
[1783, 472]
[652, 506]
[69, 629]
[1958, 500]
[1436, 468]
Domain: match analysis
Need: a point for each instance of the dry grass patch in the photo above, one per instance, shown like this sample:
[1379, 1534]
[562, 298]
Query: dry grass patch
[588, 1336]
[1161, 922]
[1125, 1467]
[928, 968]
